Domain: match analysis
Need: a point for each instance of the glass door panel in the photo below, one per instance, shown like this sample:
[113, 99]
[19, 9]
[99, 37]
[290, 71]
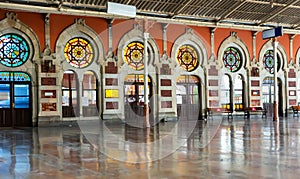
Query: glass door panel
[21, 96]
[5, 96]
[188, 98]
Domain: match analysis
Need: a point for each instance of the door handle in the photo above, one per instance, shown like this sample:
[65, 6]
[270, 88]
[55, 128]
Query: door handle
[13, 105]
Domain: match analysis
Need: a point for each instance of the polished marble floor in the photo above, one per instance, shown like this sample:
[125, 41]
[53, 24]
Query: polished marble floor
[220, 148]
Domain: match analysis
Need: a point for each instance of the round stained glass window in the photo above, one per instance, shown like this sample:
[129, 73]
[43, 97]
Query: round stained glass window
[134, 55]
[79, 52]
[187, 58]
[232, 59]
[14, 50]
[269, 61]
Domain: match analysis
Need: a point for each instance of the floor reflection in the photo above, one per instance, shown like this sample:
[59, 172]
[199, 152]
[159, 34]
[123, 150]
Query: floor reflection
[216, 149]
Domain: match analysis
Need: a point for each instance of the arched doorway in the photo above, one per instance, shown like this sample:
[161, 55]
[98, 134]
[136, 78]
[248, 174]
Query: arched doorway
[134, 96]
[70, 94]
[15, 99]
[188, 97]
[89, 95]
[226, 93]
[239, 94]
[268, 96]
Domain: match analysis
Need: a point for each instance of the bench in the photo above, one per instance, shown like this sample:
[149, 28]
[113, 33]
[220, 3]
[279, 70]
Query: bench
[254, 110]
[296, 110]
[211, 111]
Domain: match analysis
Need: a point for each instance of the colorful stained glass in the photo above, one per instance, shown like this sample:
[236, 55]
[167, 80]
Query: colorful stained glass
[79, 52]
[14, 76]
[232, 59]
[187, 58]
[268, 61]
[14, 50]
[134, 55]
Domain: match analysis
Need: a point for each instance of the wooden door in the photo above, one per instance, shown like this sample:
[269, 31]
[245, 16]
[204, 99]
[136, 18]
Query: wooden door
[15, 104]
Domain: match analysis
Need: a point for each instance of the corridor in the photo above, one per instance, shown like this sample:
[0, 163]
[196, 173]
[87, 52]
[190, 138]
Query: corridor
[255, 148]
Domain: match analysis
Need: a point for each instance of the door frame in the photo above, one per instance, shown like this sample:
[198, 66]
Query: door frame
[138, 108]
[187, 106]
[12, 113]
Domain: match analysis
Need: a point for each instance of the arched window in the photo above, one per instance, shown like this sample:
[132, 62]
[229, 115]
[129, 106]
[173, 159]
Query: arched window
[238, 93]
[268, 90]
[187, 58]
[69, 94]
[14, 92]
[134, 55]
[90, 94]
[15, 99]
[225, 96]
[14, 50]
[268, 61]
[298, 91]
[14, 76]
[79, 52]
[232, 59]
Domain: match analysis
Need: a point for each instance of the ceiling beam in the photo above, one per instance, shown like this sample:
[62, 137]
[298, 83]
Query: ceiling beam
[297, 25]
[178, 11]
[276, 13]
[231, 10]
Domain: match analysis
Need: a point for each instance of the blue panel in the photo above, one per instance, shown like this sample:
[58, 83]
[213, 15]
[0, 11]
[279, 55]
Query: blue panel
[22, 90]
[21, 102]
[5, 103]
[4, 88]
[21, 95]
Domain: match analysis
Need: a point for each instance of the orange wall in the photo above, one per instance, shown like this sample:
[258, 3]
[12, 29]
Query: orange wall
[259, 44]
[204, 34]
[35, 21]
[58, 23]
[3, 14]
[119, 28]
[156, 32]
[173, 32]
[285, 42]
[296, 43]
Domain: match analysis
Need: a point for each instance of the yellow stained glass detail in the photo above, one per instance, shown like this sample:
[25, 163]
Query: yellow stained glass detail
[78, 52]
[134, 55]
[111, 93]
[187, 57]
[135, 78]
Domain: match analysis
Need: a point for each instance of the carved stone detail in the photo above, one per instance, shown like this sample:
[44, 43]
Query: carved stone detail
[11, 16]
[80, 21]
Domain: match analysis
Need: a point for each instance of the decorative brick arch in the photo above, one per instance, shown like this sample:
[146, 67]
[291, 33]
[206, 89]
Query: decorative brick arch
[80, 29]
[234, 41]
[190, 38]
[283, 57]
[297, 60]
[11, 24]
[136, 34]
